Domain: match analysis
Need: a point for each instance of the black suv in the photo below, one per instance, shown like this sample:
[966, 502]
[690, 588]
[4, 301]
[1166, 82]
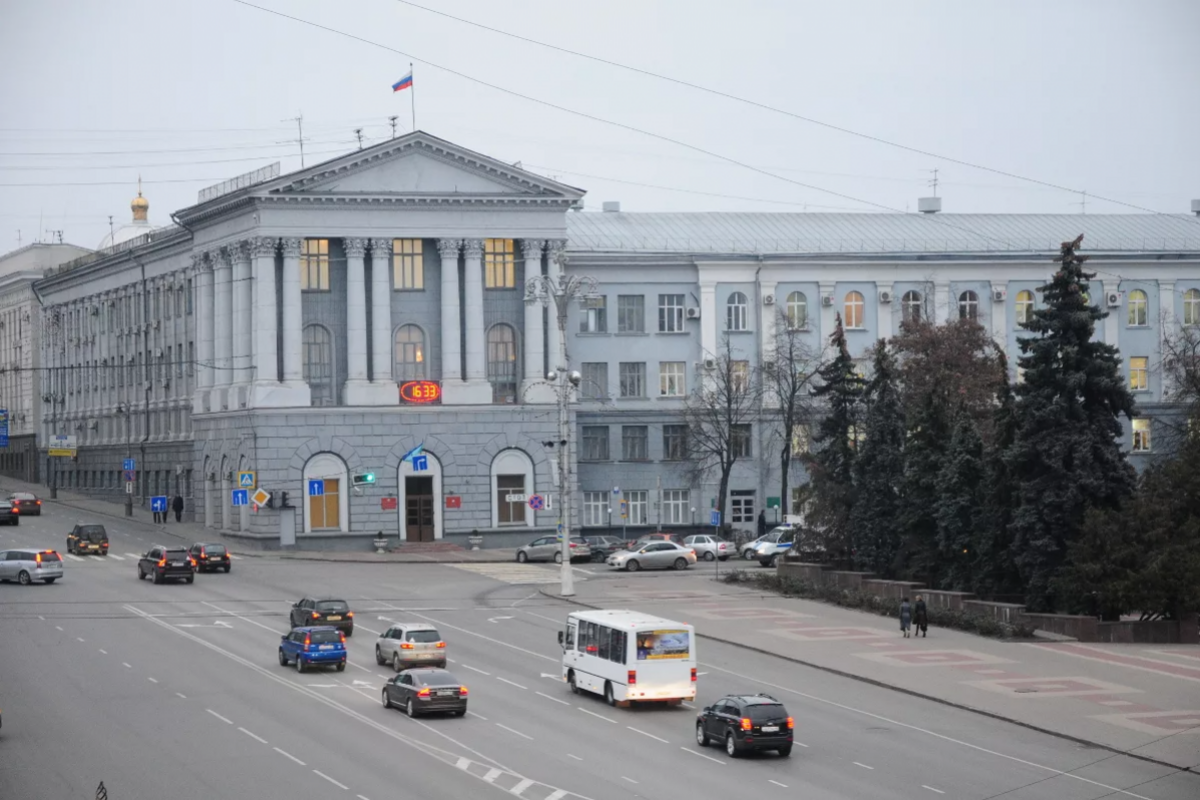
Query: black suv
[746, 722]
[323, 611]
[166, 563]
[88, 539]
[211, 557]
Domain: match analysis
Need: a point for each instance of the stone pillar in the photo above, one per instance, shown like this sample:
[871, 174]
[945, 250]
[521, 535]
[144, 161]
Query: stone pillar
[202, 267]
[1166, 322]
[222, 327]
[451, 319]
[381, 323]
[356, 320]
[297, 392]
[554, 251]
[999, 315]
[535, 334]
[884, 317]
[475, 344]
[943, 305]
[708, 318]
[266, 319]
[243, 317]
[828, 311]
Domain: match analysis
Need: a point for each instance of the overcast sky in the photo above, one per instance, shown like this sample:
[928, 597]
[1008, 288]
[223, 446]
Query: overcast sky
[1092, 95]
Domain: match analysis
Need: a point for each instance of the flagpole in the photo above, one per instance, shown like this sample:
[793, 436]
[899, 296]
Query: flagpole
[412, 92]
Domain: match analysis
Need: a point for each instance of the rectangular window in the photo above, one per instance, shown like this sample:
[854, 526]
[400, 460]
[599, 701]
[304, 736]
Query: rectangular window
[637, 506]
[314, 265]
[594, 317]
[741, 502]
[595, 380]
[191, 359]
[510, 512]
[674, 442]
[178, 361]
[672, 381]
[675, 506]
[595, 443]
[670, 313]
[595, 508]
[633, 378]
[1141, 435]
[631, 313]
[408, 265]
[189, 297]
[1139, 373]
[739, 376]
[739, 441]
[499, 264]
[633, 443]
[324, 511]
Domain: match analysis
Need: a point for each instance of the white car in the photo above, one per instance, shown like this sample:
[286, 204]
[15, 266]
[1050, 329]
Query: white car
[776, 543]
[411, 644]
[709, 547]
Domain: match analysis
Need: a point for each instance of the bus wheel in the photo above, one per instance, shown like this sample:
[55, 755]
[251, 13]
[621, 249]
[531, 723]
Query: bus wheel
[609, 697]
[571, 681]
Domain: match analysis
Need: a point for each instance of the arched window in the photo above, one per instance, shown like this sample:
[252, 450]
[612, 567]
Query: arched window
[736, 312]
[797, 310]
[854, 307]
[1139, 308]
[1024, 307]
[328, 510]
[910, 306]
[968, 306]
[318, 365]
[502, 363]
[1191, 307]
[408, 359]
[512, 474]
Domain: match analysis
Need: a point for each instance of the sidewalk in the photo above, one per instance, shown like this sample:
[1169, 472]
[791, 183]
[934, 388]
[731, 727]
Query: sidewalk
[1139, 699]
[190, 532]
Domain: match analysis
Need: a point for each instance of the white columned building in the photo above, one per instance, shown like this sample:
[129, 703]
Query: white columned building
[203, 270]
[243, 325]
[297, 389]
[357, 387]
[475, 390]
[223, 328]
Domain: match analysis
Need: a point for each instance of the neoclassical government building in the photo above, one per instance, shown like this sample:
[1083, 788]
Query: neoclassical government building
[320, 325]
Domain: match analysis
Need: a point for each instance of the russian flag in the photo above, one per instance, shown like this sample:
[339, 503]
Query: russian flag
[403, 83]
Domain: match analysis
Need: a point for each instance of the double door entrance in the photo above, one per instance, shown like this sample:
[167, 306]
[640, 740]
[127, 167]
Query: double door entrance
[418, 509]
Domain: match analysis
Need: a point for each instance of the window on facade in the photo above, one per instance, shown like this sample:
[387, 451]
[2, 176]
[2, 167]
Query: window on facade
[191, 359]
[633, 443]
[1139, 308]
[1141, 436]
[739, 441]
[594, 316]
[314, 265]
[408, 264]
[631, 313]
[595, 508]
[800, 440]
[854, 308]
[595, 443]
[968, 306]
[741, 505]
[674, 442]
[670, 313]
[502, 362]
[912, 306]
[675, 506]
[637, 502]
[797, 311]
[324, 511]
[737, 312]
[1139, 373]
[318, 364]
[408, 361]
[499, 264]
[739, 376]
[1024, 307]
[594, 385]
[672, 380]
[1191, 307]
[189, 296]
[510, 512]
[633, 378]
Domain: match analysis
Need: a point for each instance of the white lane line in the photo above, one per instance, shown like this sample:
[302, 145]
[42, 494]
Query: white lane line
[58, 627]
[597, 716]
[218, 716]
[181, 695]
[117, 557]
[127, 665]
[510, 730]
[102, 650]
[254, 736]
[341, 786]
[468, 666]
[451, 661]
[930, 788]
[521, 786]
[289, 755]
[359, 666]
[860, 764]
[492, 774]
[777, 783]
[463, 763]
[543, 616]
[43, 619]
[557, 794]
[631, 780]
[651, 735]
[481, 716]
[710, 758]
[555, 699]
[799, 744]
[572, 755]
[506, 680]
[360, 797]
[152, 680]
[73, 557]
[79, 638]
[686, 704]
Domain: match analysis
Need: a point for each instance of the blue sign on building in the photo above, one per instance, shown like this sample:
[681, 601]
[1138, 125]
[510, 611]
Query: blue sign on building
[420, 463]
[158, 505]
[3, 427]
[714, 518]
[130, 464]
[241, 497]
[316, 488]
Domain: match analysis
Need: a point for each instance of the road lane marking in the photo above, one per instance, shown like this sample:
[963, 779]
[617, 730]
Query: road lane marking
[341, 786]
[360, 666]
[481, 716]
[181, 695]
[597, 716]
[710, 758]
[289, 755]
[557, 794]
[79, 638]
[506, 680]
[686, 704]
[152, 680]
[117, 557]
[510, 730]
[572, 755]
[58, 627]
[253, 735]
[799, 744]
[864, 766]
[651, 735]
[102, 650]
[930, 788]
[521, 786]
[555, 699]
[777, 783]
[625, 778]
[73, 557]
[218, 716]
[485, 638]
[43, 619]
[492, 774]
[127, 665]
[360, 797]
[476, 669]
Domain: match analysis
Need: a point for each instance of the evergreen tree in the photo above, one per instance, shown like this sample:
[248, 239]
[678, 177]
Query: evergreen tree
[879, 469]
[959, 505]
[831, 466]
[924, 454]
[995, 569]
[1066, 450]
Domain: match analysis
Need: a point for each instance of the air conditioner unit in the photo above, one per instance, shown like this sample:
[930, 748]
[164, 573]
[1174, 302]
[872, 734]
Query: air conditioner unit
[999, 295]
[827, 300]
[768, 299]
[710, 364]
[1113, 299]
[885, 296]
[693, 313]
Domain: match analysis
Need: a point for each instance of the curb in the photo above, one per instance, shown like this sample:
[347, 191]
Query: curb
[913, 693]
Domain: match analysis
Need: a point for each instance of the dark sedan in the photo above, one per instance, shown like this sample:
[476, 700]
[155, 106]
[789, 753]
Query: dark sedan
[27, 502]
[9, 514]
[210, 557]
[425, 691]
[604, 546]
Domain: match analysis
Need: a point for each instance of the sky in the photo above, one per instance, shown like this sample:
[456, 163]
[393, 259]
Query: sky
[1095, 96]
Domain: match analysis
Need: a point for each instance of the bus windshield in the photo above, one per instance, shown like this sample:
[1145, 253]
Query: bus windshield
[660, 645]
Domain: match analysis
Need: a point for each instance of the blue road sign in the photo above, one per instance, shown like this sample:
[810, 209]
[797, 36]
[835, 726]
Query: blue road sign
[159, 505]
[316, 488]
[714, 518]
[246, 480]
[128, 476]
[241, 497]
[130, 464]
[3, 427]
[420, 463]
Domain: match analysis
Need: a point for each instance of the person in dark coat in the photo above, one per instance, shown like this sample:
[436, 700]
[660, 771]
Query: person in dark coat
[762, 523]
[921, 616]
[905, 616]
[177, 507]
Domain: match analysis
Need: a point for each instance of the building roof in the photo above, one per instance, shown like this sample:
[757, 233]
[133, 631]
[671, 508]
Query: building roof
[39, 256]
[743, 233]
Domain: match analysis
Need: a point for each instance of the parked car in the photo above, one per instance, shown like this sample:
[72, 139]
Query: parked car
[313, 646]
[549, 548]
[709, 547]
[88, 539]
[423, 691]
[660, 536]
[654, 555]
[777, 543]
[166, 563]
[604, 546]
[28, 565]
[747, 548]
[323, 611]
[411, 644]
[211, 557]
[9, 514]
[27, 503]
[746, 722]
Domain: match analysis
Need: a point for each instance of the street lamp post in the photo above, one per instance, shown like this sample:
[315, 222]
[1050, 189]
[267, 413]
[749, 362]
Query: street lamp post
[123, 408]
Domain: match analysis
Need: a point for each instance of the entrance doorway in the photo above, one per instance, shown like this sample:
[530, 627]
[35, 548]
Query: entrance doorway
[418, 509]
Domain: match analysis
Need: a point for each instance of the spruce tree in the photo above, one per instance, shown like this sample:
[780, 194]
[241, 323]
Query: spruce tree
[924, 454]
[959, 506]
[995, 569]
[879, 469]
[1067, 450]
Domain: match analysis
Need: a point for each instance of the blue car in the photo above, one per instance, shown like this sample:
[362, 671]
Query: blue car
[313, 647]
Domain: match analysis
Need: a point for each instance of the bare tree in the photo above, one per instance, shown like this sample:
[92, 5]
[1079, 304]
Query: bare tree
[1181, 374]
[719, 414]
[788, 370]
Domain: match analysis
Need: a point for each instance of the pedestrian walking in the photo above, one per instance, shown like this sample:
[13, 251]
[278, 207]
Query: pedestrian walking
[762, 523]
[921, 616]
[158, 515]
[905, 616]
[177, 507]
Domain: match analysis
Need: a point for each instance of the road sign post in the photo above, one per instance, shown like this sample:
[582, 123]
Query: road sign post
[241, 497]
[316, 488]
[261, 496]
[158, 505]
[129, 487]
[537, 502]
[246, 480]
[714, 517]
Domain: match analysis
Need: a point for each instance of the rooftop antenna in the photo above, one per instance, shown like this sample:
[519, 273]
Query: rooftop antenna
[933, 181]
[112, 234]
[358, 133]
[299, 120]
[1083, 202]
[392, 119]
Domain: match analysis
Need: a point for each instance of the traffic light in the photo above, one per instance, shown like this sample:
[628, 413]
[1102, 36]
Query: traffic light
[365, 477]
[283, 500]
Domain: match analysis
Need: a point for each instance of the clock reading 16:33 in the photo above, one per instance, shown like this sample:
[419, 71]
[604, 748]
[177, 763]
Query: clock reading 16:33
[421, 392]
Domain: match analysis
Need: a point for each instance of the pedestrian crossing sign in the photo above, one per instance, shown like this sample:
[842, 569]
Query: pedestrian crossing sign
[246, 480]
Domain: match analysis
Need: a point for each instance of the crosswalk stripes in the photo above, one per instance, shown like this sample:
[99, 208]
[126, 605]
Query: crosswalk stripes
[519, 574]
[117, 557]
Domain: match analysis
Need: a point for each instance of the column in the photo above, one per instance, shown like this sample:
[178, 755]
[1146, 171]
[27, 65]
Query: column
[999, 289]
[829, 310]
[1112, 323]
[202, 269]
[473, 307]
[222, 327]
[535, 334]
[1167, 321]
[884, 316]
[554, 252]
[708, 317]
[243, 317]
[293, 333]
[356, 320]
[381, 317]
[266, 319]
[942, 303]
[451, 320]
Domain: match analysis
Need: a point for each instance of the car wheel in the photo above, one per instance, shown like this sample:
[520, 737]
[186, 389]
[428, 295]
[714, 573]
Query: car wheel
[104, 553]
[701, 736]
[24, 578]
[410, 708]
[50, 580]
[731, 748]
[141, 575]
[522, 557]
[609, 697]
[632, 565]
[387, 701]
[558, 557]
[709, 556]
[681, 563]
[349, 633]
[283, 662]
[300, 666]
[785, 751]
[157, 578]
[379, 656]
[227, 569]
[459, 713]
[771, 561]
[397, 665]
[571, 682]
[341, 667]
[190, 578]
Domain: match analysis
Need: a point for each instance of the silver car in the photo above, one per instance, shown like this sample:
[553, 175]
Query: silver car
[708, 547]
[549, 548]
[27, 566]
[654, 555]
[411, 644]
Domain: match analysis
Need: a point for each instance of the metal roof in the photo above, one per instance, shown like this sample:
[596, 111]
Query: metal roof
[754, 233]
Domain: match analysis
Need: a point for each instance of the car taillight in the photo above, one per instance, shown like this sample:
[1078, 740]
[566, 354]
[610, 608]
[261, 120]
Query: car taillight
[791, 723]
[406, 646]
[343, 637]
[462, 691]
[192, 561]
[315, 615]
[307, 642]
[104, 545]
[573, 544]
[746, 724]
[631, 677]
[441, 645]
[693, 674]
[162, 562]
[423, 693]
[350, 614]
[39, 561]
[39, 502]
[16, 509]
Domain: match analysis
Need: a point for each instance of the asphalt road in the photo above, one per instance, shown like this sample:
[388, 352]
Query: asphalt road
[174, 691]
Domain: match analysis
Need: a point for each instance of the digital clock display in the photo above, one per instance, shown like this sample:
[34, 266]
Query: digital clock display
[421, 392]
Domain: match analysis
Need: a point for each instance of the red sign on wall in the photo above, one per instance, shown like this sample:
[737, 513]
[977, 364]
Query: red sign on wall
[387, 503]
[453, 501]
[421, 392]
